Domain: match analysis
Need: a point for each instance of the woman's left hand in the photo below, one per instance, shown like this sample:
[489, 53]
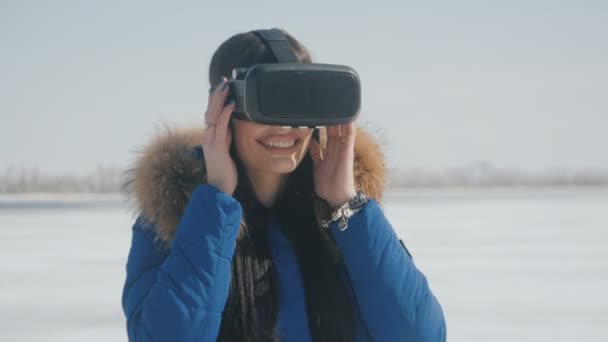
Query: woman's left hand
[333, 167]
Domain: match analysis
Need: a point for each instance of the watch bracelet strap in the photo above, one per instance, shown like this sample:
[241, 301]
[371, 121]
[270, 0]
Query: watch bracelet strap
[344, 212]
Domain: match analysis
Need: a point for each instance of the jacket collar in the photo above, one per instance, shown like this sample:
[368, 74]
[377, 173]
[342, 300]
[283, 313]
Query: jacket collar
[170, 166]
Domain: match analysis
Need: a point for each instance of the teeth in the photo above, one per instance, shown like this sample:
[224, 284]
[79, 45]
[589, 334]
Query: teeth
[281, 144]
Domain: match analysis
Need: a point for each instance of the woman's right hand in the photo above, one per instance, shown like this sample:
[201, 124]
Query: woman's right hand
[221, 169]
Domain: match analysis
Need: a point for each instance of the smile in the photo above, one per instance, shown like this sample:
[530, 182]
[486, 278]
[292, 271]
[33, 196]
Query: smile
[280, 144]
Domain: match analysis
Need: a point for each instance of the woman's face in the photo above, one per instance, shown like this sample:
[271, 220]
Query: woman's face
[270, 148]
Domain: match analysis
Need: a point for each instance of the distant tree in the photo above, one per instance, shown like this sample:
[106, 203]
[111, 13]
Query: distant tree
[103, 179]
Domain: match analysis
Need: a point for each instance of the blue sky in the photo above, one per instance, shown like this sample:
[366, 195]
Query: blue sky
[521, 84]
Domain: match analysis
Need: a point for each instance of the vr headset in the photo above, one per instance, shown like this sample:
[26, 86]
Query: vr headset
[290, 93]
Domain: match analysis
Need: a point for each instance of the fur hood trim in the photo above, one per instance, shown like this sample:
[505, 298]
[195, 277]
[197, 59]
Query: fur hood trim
[170, 166]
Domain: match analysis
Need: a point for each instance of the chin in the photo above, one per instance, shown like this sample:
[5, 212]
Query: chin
[288, 165]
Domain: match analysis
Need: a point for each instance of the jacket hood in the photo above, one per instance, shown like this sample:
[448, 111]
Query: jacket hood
[169, 168]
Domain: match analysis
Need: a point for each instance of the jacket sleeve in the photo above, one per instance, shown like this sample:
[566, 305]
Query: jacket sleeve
[394, 298]
[180, 296]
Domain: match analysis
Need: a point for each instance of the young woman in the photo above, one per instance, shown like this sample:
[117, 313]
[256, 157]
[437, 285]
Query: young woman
[229, 244]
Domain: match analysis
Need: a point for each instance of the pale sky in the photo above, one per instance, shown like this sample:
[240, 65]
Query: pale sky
[521, 84]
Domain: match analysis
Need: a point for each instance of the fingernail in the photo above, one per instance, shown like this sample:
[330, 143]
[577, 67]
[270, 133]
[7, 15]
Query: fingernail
[211, 90]
[224, 86]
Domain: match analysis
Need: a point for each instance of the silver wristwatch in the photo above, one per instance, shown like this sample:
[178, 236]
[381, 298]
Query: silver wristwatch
[344, 212]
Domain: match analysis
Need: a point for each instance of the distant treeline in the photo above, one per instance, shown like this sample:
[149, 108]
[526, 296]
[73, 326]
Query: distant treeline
[110, 179]
[30, 180]
[483, 174]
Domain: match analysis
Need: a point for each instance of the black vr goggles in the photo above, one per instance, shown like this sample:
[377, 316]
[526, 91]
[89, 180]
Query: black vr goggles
[290, 93]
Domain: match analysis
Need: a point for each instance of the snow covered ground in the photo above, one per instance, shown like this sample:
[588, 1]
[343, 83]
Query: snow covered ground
[506, 265]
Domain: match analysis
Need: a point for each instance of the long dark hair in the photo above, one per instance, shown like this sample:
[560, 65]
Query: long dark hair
[253, 302]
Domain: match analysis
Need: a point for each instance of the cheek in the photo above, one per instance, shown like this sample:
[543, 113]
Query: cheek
[246, 147]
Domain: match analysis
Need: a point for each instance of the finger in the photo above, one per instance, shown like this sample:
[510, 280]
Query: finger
[315, 152]
[212, 105]
[215, 87]
[334, 141]
[218, 99]
[333, 135]
[210, 101]
[349, 133]
[221, 126]
[209, 135]
[332, 131]
[348, 144]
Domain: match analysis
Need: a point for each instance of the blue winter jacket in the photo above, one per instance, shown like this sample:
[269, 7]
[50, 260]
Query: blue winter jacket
[179, 294]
